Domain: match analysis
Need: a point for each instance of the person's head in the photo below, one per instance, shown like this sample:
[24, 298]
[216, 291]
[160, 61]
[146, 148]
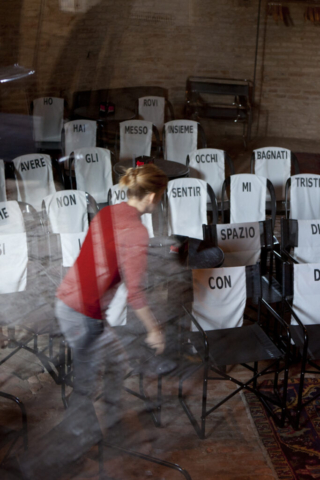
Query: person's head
[145, 186]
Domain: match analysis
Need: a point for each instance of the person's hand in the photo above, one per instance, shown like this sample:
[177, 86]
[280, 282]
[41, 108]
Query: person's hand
[155, 339]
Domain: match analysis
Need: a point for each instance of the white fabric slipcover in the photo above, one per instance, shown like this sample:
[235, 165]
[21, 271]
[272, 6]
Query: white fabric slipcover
[67, 211]
[93, 171]
[308, 249]
[152, 109]
[71, 244]
[305, 196]
[48, 119]
[219, 297]
[119, 195]
[3, 194]
[116, 313]
[248, 198]
[11, 218]
[34, 178]
[208, 164]
[187, 204]
[273, 163]
[181, 138]
[240, 243]
[306, 296]
[13, 262]
[135, 139]
[79, 134]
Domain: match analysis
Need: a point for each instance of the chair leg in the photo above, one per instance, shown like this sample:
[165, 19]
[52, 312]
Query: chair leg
[24, 416]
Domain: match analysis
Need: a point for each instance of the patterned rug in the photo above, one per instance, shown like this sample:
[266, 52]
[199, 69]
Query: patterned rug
[309, 162]
[295, 455]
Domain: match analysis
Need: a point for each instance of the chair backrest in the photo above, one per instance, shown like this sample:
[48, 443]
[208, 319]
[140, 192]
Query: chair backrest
[187, 207]
[93, 171]
[135, 139]
[242, 242]
[248, 193]
[305, 278]
[304, 196]
[152, 109]
[303, 236]
[79, 134]
[180, 138]
[34, 178]
[220, 294]
[118, 194]
[48, 119]
[209, 164]
[3, 194]
[274, 163]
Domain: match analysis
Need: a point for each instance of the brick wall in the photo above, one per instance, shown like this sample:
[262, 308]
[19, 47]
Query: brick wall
[119, 43]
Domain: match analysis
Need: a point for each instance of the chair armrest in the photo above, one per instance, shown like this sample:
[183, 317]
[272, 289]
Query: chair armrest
[204, 335]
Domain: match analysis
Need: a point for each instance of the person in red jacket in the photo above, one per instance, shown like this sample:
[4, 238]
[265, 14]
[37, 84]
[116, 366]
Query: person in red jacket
[114, 251]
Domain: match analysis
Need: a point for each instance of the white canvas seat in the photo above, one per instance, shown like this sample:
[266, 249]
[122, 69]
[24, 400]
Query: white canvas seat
[118, 194]
[240, 242]
[219, 297]
[93, 172]
[304, 196]
[13, 262]
[300, 240]
[3, 194]
[135, 139]
[11, 218]
[209, 164]
[48, 119]
[152, 109]
[273, 163]
[34, 178]
[180, 140]
[187, 207]
[79, 134]
[306, 293]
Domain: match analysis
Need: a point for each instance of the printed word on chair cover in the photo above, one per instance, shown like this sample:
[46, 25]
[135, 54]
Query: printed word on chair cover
[248, 198]
[181, 137]
[135, 139]
[208, 164]
[273, 163]
[34, 178]
[304, 236]
[305, 196]
[79, 134]
[93, 171]
[13, 249]
[48, 119]
[187, 207]
[152, 109]
[240, 242]
[118, 194]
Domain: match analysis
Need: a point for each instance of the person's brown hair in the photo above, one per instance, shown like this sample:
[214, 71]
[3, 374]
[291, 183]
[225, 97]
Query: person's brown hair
[143, 180]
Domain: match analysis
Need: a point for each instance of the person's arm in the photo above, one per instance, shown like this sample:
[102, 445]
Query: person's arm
[155, 337]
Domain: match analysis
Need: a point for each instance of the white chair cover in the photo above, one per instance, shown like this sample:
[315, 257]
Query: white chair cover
[208, 164]
[305, 196]
[219, 297]
[79, 134]
[248, 198]
[71, 244]
[181, 138]
[11, 218]
[187, 205]
[240, 243]
[308, 248]
[34, 178]
[119, 195]
[306, 292]
[93, 171]
[273, 163]
[152, 109]
[13, 262]
[67, 211]
[47, 119]
[3, 194]
[135, 139]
